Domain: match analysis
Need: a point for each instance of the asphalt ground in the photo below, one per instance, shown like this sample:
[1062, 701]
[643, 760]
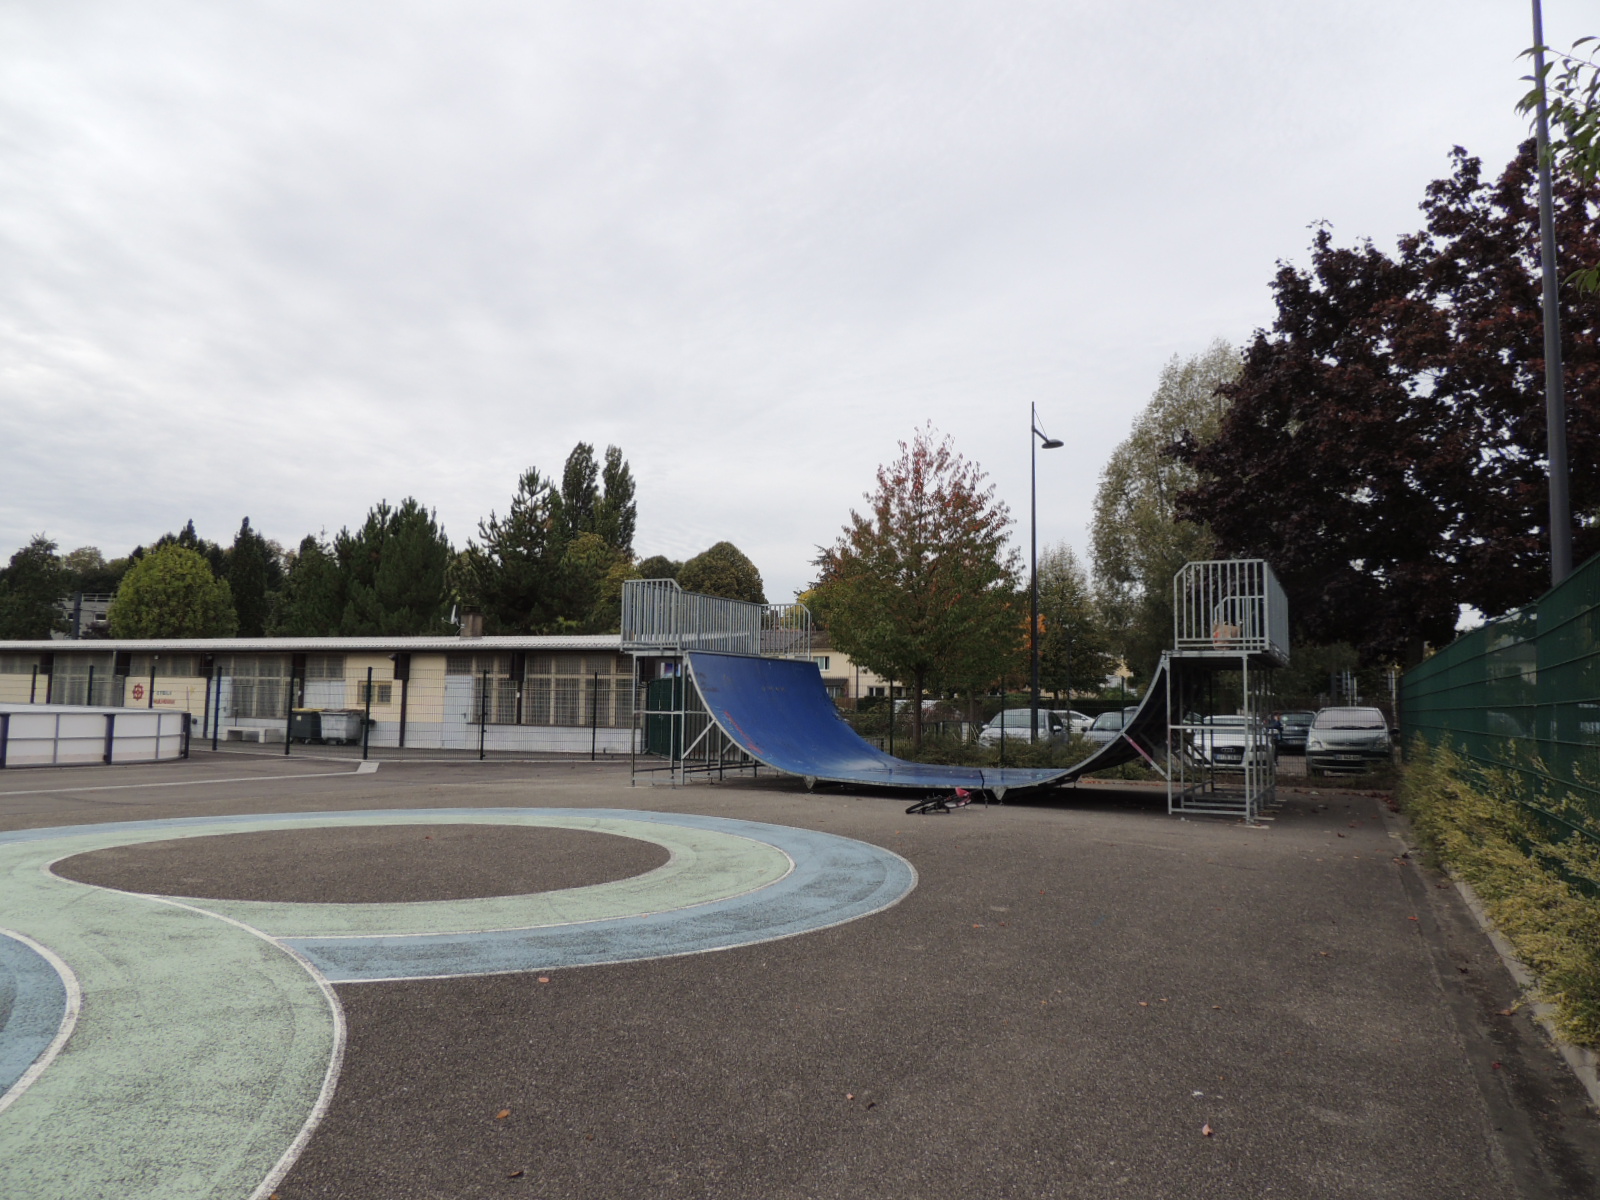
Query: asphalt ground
[1075, 992]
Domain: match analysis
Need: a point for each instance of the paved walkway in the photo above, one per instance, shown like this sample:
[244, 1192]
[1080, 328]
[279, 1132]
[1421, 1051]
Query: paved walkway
[1082, 998]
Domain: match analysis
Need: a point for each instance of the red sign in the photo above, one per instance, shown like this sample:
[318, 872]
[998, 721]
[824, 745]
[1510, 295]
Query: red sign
[138, 691]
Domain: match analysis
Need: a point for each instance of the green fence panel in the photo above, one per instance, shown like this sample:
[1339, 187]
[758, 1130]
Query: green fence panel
[1522, 693]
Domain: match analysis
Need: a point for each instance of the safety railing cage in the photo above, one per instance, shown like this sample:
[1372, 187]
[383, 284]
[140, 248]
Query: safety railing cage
[1228, 608]
[659, 617]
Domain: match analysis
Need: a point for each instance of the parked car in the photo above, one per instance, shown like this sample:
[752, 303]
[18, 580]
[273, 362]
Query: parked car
[1075, 721]
[1347, 739]
[1107, 727]
[1292, 737]
[1018, 723]
[1224, 740]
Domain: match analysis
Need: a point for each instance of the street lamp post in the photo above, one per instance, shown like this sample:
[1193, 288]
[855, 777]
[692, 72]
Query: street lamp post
[1037, 438]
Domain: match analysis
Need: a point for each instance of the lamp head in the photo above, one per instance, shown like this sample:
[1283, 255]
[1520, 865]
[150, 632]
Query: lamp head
[1050, 443]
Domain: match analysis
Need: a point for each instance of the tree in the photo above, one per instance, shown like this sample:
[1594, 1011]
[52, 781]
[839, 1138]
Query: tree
[923, 588]
[254, 575]
[1138, 542]
[171, 593]
[1384, 447]
[723, 570]
[1571, 85]
[30, 588]
[617, 512]
[394, 567]
[1074, 653]
[88, 571]
[312, 599]
[658, 566]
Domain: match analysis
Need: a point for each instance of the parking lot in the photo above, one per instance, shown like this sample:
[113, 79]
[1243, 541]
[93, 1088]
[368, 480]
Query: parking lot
[1079, 997]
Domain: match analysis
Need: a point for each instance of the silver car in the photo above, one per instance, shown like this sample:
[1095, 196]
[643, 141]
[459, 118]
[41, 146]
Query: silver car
[1076, 721]
[1017, 724]
[1107, 726]
[1347, 739]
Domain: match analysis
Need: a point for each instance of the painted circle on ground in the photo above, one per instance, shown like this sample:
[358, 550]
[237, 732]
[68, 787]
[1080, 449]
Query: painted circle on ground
[369, 864]
[209, 1034]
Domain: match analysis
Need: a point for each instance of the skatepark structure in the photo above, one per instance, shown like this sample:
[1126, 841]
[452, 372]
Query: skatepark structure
[729, 686]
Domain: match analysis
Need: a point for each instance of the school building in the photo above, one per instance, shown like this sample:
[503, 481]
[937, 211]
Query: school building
[521, 693]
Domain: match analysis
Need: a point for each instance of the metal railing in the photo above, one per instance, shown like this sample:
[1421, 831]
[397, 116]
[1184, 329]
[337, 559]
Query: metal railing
[1230, 607]
[46, 736]
[660, 617]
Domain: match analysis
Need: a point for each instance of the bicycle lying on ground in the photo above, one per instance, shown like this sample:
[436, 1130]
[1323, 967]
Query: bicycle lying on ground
[934, 805]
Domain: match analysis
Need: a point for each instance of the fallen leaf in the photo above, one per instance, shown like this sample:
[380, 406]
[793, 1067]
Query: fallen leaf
[976, 926]
[1217, 1007]
[1506, 1012]
[514, 1175]
[1205, 1131]
[849, 1095]
[872, 1104]
[502, 1114]
[544, 979]
[1144, 1004]
[1325, 954]
[1341, 835]
[1411, 918]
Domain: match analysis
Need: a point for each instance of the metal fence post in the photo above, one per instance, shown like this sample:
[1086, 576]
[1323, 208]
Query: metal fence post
[594, 714]
[5, 737]
[366, 719]
[111, 734]
[88, 697]
[216, 719]
[33, 684]
[483, 715]
[288, 711]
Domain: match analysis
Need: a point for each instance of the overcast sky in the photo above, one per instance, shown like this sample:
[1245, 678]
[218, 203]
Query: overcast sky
[288, 259]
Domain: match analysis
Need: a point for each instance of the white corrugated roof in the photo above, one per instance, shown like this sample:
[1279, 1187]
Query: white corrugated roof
[322, 645]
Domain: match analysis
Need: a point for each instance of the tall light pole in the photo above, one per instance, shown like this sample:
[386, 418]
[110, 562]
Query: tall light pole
[1555, 400]
[1036, 438]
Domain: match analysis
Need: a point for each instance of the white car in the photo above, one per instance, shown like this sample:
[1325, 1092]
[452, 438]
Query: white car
[1225, 739]
[1107, 727]
[1075, 721]
[1017, 724]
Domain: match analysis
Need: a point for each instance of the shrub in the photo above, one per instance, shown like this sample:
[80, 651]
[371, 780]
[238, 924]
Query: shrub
[1538, 875]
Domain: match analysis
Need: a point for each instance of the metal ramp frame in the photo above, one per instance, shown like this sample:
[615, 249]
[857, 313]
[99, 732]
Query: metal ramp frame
[1228, 615]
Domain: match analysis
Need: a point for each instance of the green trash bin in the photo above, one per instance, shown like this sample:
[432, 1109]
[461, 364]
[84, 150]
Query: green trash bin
[305, 725]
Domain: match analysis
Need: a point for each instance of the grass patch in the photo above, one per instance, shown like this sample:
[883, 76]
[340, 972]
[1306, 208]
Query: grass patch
[1020, 753]
[1539, 880]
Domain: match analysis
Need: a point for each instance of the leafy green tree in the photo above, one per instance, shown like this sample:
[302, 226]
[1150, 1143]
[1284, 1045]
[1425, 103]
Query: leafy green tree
[171, 592]
[1074, 653]
[312, 599]
[394, 568]
[723, 570]
[254, 575]
[659, 566]
[1139, 543]
[1571, 86]
[30, 588]
[88, 571]
[923, 588]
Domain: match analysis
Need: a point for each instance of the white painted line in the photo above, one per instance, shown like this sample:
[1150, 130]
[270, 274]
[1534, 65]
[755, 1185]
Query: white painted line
[366, 768]
[69, 1019]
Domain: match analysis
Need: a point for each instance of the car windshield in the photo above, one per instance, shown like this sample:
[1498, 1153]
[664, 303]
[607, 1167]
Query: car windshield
[1298, 718]
[1022, 718]
[1349, 718]
[1108, 720]
[1225, 721]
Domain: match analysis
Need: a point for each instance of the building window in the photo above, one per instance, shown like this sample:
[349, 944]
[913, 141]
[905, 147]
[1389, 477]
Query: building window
[822, 661]
[877, 691]
[18, 664]
[382, 693]
[260, 683]
[575, 690]
[167, 666]
[324, 666]
[835, 690]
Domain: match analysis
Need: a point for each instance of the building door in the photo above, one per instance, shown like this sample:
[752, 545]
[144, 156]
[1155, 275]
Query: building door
[458, 731]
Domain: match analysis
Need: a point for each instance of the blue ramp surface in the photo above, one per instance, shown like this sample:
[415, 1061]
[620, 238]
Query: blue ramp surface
[777, 711]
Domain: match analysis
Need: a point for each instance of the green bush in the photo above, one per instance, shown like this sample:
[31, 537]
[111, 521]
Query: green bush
[1539, 878]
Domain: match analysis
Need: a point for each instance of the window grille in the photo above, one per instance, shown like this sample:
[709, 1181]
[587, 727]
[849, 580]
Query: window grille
[382, 692]
[567, 707]
[578, 690]
[325, 666]
[536, 701]
[458, 664]
[18, 664]
[260, 683]
[168, 666]
[568, 664]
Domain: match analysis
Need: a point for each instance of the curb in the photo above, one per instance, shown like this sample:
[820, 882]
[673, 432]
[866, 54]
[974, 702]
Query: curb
[1584, 1062]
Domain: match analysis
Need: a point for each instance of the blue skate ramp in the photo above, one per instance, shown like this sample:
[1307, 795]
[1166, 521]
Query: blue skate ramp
[777, 711]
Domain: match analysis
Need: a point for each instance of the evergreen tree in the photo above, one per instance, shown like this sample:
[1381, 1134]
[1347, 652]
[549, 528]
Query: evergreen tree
[616, 512]
[1074, 654]
[88, 571]
[659, 566]
[312, 599]
[723, 570]
[580, 492]
[394, 567]
[253, 575]
[512, 574]
[171, 592]
[30, 587]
